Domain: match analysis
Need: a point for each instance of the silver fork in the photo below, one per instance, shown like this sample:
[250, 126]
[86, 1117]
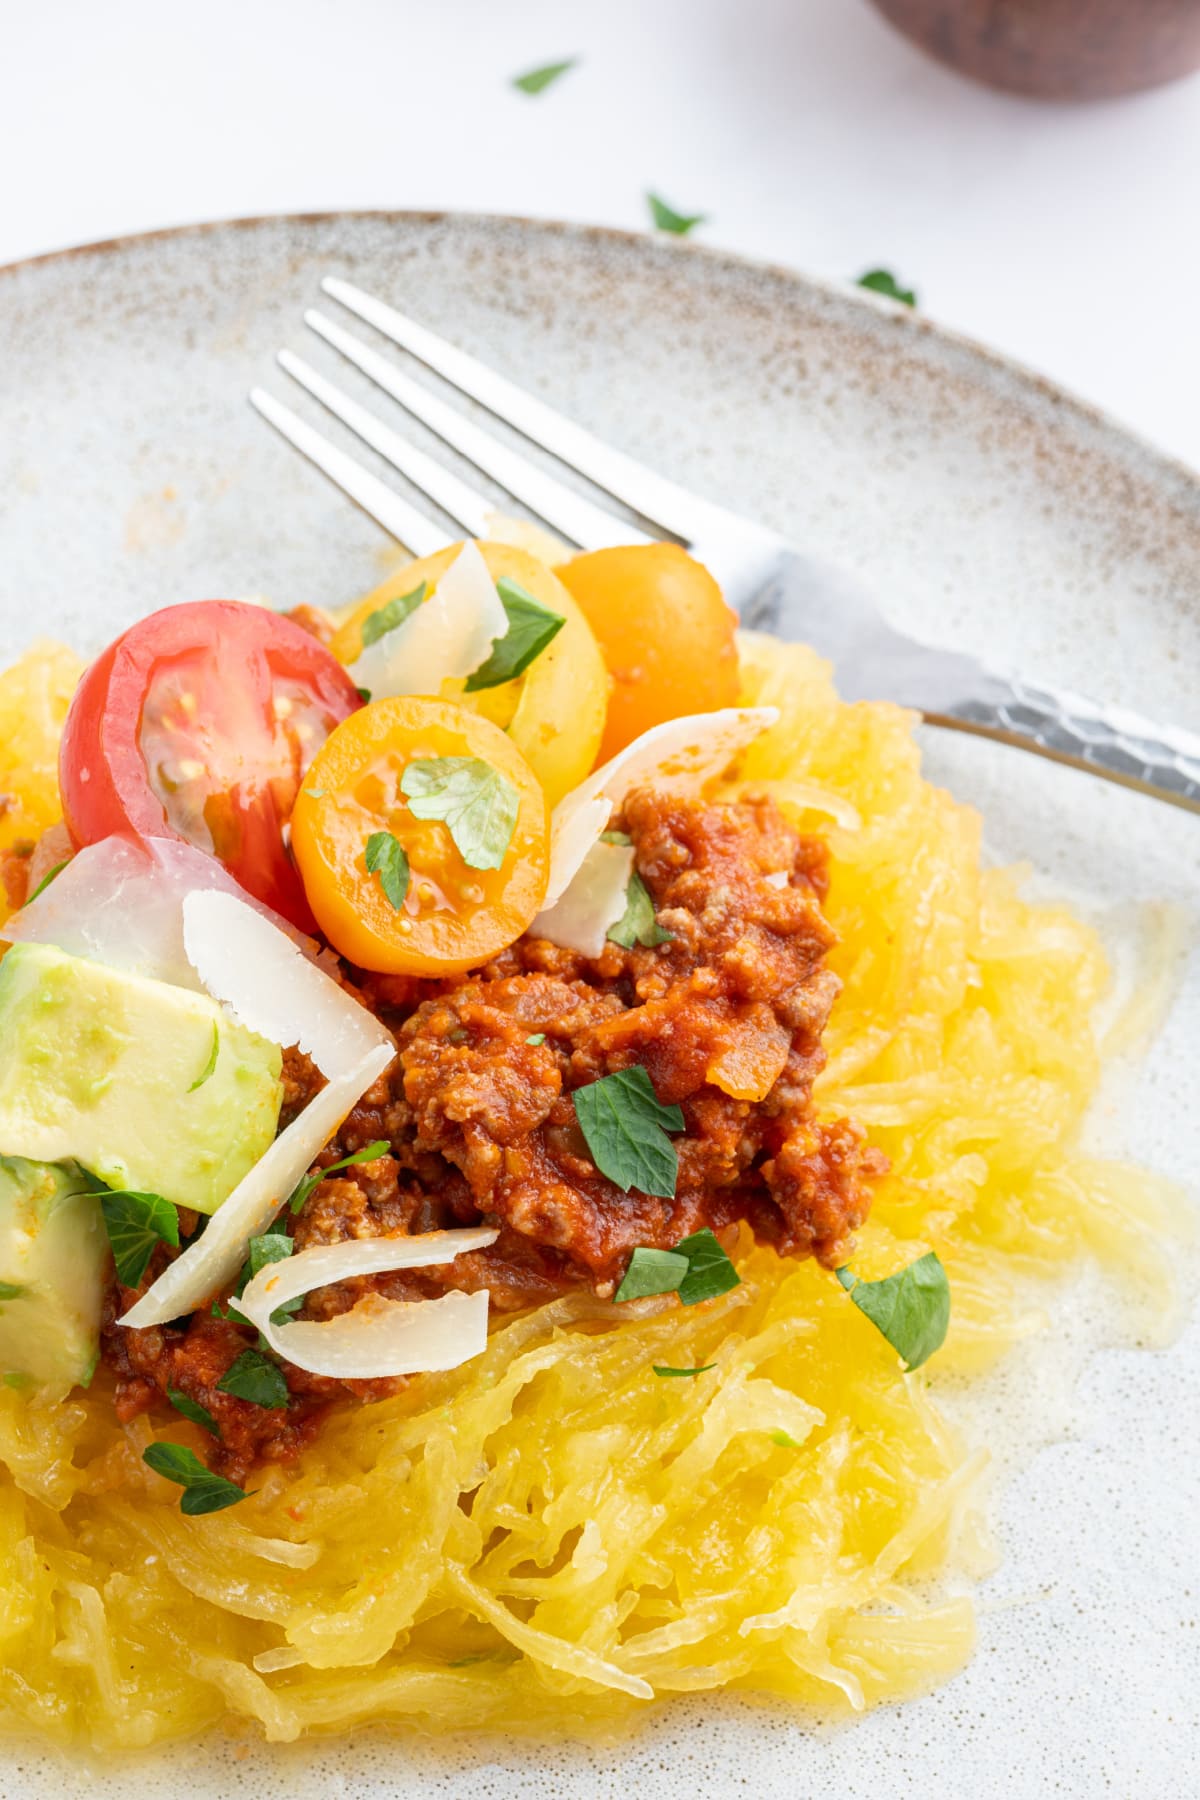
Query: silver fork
[773, 585]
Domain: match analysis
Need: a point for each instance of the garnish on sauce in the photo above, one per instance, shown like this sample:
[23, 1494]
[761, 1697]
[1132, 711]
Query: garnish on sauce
[136, 1225]
[192, 1409]
[255, 1378]
[368, 1153]
[910, 1308]
[203, 1492]
[638, 925]
[625, 1127]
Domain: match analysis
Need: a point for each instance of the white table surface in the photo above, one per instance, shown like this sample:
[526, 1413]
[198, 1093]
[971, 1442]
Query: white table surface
[807, 129]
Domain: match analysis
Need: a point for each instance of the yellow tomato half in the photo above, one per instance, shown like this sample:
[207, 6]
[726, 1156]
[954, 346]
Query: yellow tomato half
[554, 713]
[453, 916]
[665, 631]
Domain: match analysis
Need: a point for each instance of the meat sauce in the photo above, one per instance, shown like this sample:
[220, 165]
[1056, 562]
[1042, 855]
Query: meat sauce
[726, 1016]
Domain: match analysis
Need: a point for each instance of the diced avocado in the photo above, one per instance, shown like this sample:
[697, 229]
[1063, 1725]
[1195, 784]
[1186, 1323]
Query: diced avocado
[53, 1263]
[117, 1073]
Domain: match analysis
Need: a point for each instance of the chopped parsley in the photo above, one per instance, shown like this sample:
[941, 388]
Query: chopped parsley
[11, 1290]
[368, 1153]
[538, 1037]
[664, 1370]
[477, 804]
[210, 1067]
[385, 857]
[530, 628]
[785, 1440]
[203, 1492]
[696, 1269]
[44, 883]
[667, 219]
[637, 924]
[255, 1378]
[192, 1409]
[625, 1127]
[882, 281]
[911, 1308]
[364, 695]
[136, 1223]
[394, 612]
[536, 81]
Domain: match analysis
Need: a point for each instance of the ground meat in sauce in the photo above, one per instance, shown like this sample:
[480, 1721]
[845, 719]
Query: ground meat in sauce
[726, 1018]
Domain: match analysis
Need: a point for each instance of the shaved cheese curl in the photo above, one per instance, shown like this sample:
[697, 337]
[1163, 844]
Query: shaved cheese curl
[378, 1337]
[446, 638]
[218, 1253]
[270, 987]
[594, 902]
[120, 903]
[680, 756]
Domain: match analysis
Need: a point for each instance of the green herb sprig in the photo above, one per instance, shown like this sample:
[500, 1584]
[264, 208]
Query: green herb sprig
[667, 219]
[911, 1309]
[253, 1377]
[392, 613]
[536, 81]
[477, 804]
[368, 1153]
[637, 924]
[210, 1067]
[696, 1269]
[531, 627]
[192, 1409]
[203, 1492]
[385, 857]
[136, 1224]
[625, 1126]
[882, 281]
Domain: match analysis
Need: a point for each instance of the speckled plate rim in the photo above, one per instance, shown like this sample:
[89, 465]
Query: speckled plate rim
[1159, 467]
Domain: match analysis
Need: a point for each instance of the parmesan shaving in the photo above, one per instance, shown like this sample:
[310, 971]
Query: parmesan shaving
[217, 1254]
[596, 899]
[271, 989]
[377, 1337]
[446, 638]
[680, 755]
[120, 902]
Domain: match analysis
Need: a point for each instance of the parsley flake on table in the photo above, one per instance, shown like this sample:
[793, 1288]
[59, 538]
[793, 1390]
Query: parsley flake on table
[369, 1153]
[385, 857]
[477, 804]
[625, 1127]
[637, 924]
[136, 1224]
[203, 1492]
[667, 219]
[385, 618]
[882, 281]
[530, 628]
[911, 1308]
[192, 1409]
[255, 1378]
[210, 1067]
[536, 81]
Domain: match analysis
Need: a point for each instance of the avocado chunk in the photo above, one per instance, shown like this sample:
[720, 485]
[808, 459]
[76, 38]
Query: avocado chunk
[53, 1263]
[147, 1086]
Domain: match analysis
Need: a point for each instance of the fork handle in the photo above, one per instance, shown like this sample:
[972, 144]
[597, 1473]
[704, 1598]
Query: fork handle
[1160, 760]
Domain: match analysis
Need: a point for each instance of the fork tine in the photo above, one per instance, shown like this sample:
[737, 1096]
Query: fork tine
[653, 496]
[444, 489]
[390, 510]
[578, 518]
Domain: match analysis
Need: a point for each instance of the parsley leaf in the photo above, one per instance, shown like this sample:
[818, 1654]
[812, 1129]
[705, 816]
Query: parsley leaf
[368, 1153]
[478, 805]
[664, 1370]
[536, 81]
[538, 1037]
[252, 1377]
[696, 1269]
[637, 924]
[530, 628]
[364, 695]
[44, 883]
[11, 1290]
[210, 1067]
[667, 219]
[616, 837]
[882, 281]
[385, 857]
[625, 1127]
[394, 612]
[652, 1272]
[203, 1492]
[192, 1409]
[135, 1224]
[910, 1308]
[785, 1440]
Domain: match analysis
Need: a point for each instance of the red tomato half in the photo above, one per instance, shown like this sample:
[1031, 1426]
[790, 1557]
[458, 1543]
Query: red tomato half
[199, 723]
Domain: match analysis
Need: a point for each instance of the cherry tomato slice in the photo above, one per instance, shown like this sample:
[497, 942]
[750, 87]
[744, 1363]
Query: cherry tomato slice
[452, 916]
[199, 722]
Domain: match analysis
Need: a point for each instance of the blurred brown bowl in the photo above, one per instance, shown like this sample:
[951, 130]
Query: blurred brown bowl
[1057, 49]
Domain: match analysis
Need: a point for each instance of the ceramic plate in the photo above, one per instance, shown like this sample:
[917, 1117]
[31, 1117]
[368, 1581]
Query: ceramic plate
[989, 511]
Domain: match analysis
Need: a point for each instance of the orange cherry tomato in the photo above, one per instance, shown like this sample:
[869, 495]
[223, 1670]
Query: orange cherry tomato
[452, 916]
[665, 632]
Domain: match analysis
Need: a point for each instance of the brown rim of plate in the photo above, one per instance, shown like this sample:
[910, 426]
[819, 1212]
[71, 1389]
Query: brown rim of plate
[904, 318]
